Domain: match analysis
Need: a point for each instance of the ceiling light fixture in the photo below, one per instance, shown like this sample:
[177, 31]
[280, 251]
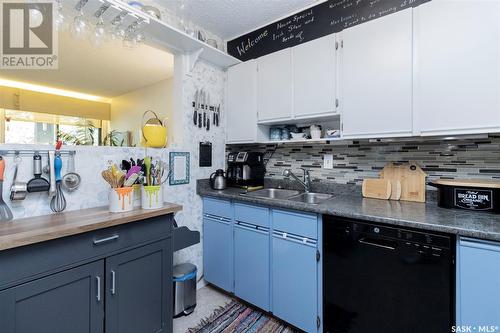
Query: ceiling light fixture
[49, 90]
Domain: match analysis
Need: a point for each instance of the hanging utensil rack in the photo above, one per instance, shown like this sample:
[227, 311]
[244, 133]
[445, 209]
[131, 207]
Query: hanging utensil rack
[7, 152]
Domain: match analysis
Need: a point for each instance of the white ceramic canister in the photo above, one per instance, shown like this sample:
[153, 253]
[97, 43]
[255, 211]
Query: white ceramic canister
[121, 199]
[151, 197]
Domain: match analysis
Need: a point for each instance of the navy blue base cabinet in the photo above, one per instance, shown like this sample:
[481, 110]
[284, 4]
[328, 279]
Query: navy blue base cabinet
[478, 285]
[267, 257]
[113, 280]
[137, 297]
[63, 302]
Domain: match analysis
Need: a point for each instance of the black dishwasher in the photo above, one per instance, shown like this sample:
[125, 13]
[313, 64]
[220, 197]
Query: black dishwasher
[383, 279]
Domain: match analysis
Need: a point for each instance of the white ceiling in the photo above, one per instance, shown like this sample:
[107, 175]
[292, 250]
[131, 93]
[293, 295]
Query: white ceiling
[232, 18]
[107, 72]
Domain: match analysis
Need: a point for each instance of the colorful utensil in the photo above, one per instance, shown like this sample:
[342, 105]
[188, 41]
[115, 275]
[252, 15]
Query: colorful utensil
[58, 202]
[147, 164]
[133, 170]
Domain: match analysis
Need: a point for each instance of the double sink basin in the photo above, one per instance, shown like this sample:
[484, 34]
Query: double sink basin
[292, 195]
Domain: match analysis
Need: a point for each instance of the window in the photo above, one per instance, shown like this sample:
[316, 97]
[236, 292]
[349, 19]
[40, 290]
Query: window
[43, 128]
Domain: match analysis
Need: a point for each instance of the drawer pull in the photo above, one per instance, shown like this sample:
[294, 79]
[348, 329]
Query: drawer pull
[105, 240]
[98, 280]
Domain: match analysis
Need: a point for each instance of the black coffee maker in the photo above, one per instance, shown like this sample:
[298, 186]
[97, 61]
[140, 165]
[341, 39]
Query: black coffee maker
[245, 169]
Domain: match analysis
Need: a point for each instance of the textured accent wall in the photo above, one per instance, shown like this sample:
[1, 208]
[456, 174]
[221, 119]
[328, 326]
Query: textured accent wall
[212, 80]
[355, 160]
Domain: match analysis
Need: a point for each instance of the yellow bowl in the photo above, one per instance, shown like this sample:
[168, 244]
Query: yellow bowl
[154, 136]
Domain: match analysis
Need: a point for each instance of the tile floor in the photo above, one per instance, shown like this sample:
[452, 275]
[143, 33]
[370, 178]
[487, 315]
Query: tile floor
[207, 300]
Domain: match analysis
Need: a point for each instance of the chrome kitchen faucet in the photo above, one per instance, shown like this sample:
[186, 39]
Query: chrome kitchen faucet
[307, 178]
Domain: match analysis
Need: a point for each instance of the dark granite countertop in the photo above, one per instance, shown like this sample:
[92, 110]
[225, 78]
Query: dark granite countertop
[407, 214]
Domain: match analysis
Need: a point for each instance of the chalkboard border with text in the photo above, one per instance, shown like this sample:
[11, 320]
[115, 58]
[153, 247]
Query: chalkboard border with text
[323, 19]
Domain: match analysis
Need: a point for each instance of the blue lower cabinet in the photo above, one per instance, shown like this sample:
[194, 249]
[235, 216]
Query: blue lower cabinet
[218, 252]
[478, 282]
[295, 280]
[251, 264]
[266, 257]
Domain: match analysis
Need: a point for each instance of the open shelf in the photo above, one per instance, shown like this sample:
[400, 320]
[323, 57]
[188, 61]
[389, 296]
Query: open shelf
[174, 39]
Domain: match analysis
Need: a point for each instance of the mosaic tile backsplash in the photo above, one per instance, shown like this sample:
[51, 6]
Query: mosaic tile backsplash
[354, 160]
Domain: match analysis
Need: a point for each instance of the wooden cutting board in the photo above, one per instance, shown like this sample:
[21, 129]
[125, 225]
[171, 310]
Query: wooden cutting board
[411, 177]
[377, 188]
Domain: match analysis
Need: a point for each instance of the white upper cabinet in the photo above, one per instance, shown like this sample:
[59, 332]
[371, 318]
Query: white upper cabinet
[242, 103]
[377, 78]
[314, 78]
[457, 83]
[274, 86]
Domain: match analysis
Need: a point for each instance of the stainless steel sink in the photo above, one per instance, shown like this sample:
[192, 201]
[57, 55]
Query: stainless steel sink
[272, 193]
[311, 198]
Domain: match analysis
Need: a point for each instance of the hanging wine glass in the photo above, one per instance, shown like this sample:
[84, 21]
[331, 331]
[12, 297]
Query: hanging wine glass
[119, 32]
[134, 37]
[115, 29]
[98, 37]
[140, 37]
[184, 20]
[80, 26]
[129, 39]
[59, 18]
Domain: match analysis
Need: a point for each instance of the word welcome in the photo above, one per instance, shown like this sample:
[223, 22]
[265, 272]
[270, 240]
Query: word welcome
[249, 43]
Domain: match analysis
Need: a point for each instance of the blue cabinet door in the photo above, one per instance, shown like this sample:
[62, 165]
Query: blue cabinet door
[251, 264]
[479, 284]
[217, 252]
[294, 287]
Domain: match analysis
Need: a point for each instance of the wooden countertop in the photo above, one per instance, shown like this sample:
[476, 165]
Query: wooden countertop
[37, 229]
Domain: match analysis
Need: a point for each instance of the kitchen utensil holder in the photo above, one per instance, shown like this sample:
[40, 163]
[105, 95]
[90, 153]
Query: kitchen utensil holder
[137, 195]
[151, 197]
[121, 199]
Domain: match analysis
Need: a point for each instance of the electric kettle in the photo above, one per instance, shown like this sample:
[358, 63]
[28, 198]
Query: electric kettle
[217, 180]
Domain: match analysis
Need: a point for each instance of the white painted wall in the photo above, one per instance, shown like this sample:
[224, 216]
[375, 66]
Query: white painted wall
[127, 110]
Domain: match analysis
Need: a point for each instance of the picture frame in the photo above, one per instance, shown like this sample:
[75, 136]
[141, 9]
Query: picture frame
[179, 166]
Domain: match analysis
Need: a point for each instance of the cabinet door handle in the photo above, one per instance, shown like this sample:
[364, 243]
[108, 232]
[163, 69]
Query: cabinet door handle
[98, 280]
[113, 282]
[105, 240]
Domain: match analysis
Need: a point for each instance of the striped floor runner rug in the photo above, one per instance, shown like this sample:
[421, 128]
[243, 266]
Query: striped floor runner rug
[236, 317]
